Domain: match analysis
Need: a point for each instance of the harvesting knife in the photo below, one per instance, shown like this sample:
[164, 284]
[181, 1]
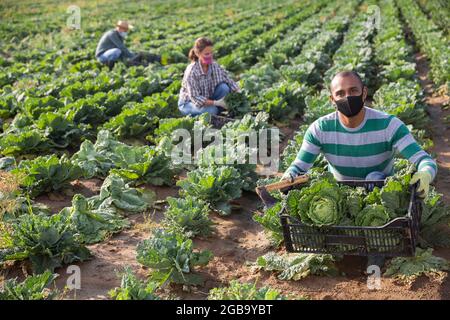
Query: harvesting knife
[263, 191]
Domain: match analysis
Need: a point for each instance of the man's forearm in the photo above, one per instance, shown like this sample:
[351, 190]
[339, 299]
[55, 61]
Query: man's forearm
[428, 165]
[120, 45]
[295, 169]
[128, 53]
[199, 101]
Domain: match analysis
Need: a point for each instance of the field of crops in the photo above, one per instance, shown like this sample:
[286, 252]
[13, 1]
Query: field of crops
[86, 173]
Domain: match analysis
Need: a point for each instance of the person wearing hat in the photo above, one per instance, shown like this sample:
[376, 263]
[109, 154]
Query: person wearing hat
[111, 47]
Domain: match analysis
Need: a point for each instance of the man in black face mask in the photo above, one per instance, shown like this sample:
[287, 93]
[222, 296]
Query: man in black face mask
[348, 93]
[360, 142]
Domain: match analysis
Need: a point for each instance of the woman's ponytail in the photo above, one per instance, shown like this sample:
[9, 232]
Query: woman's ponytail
[192, 56]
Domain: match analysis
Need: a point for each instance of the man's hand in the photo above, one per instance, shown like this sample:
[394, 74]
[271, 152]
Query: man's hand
[424, 179]
[287, 176]
[220, 103]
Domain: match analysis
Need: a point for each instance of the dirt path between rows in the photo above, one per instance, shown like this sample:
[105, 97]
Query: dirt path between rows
[440, 131]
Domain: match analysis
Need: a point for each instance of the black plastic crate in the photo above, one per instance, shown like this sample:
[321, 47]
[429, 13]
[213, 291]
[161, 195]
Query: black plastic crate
[396, 238]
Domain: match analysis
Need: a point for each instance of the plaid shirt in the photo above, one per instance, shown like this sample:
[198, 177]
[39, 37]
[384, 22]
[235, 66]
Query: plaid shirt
[198, 86]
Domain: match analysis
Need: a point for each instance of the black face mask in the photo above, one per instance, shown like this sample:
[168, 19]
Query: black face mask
[350, 106]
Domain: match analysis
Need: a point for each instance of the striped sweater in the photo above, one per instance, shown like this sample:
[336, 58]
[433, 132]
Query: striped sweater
[353, 153]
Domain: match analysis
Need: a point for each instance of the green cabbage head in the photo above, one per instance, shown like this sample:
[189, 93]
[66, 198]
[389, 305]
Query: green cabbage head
[320, 204]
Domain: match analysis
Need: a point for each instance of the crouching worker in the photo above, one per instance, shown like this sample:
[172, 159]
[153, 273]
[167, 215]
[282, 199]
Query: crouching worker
[359, 142]
[205, 83]
[111, 47]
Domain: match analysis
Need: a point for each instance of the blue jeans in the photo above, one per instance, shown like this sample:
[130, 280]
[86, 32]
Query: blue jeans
[376, 175]
[110, 55]
[189, 108]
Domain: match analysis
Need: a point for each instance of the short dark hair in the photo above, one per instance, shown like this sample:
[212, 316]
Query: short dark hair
[349, 73]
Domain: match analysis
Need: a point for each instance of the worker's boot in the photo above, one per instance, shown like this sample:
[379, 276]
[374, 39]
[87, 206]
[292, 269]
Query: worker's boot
[376, 260]
[110, 64]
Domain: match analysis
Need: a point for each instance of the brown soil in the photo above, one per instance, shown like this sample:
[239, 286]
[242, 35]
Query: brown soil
[237, 239]
[99, 275]
[236, 242]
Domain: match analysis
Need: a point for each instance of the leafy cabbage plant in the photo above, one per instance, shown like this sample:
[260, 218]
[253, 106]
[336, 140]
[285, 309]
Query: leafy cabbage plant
[215, 185]
[320, 204]
[171, 258]
[132, 288]
[188, 216]
[47, 242]
[93, 224]
[423, 263]
[32, 288]
[298, 265]
[244, 291]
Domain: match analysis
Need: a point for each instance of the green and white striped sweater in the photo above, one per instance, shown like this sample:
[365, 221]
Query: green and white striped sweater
[353, 153]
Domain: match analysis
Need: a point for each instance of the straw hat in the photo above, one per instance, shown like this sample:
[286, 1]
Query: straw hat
[124, 24]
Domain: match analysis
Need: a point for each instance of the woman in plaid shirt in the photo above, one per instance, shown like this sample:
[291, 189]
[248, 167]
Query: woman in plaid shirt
[205, 83]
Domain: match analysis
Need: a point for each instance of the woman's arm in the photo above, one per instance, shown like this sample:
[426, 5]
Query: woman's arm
[194, 91]
[228, 80]
[209, 102]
